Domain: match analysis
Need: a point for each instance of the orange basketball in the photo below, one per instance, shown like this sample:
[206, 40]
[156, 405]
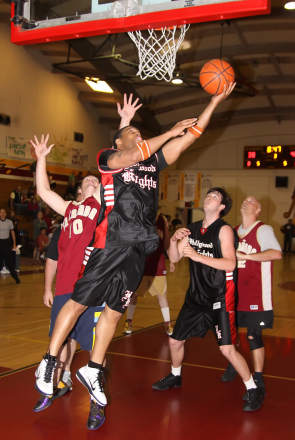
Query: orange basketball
[215, 74]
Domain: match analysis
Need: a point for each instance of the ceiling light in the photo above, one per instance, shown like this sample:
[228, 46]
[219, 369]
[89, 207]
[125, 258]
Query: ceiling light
[99, 86]
[290, 5]
[177, 81]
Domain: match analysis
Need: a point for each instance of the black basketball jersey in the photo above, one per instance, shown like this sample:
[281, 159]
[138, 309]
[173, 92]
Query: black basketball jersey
[129, 202]
[210, 289]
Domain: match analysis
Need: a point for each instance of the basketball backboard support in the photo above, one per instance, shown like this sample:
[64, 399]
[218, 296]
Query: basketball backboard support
[72, 19]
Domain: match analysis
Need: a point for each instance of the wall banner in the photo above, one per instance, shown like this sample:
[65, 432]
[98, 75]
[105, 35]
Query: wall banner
[173, 187]
[190, 181]
[79, 157]
[21, 149]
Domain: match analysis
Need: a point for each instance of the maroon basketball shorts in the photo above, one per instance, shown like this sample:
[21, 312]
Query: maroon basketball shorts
[192, 323]
[110, 275]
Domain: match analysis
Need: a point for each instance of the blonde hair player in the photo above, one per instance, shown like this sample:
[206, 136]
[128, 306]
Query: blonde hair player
[258, 248]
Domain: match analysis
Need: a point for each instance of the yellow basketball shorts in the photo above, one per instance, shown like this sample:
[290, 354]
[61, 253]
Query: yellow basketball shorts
[154, 285]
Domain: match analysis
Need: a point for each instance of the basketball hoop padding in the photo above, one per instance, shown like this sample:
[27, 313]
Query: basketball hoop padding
[157, 50]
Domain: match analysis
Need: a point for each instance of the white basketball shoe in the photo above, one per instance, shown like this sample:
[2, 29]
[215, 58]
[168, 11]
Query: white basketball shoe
[92, 379]
[44, 376]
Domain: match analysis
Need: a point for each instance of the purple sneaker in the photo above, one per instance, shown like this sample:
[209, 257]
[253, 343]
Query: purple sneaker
[45, 401]
[96, 416]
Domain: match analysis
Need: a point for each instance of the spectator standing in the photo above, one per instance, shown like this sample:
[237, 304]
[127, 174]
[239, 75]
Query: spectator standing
[6, 227]
[33, 208]
[16, 200]
[289, 231]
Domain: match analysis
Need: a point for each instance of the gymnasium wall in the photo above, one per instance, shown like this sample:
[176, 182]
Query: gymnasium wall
[41, 102]
[223, 149]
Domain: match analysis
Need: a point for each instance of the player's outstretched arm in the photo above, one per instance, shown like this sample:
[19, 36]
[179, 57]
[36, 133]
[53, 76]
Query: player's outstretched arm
[173, 149]
[177, 242]
[143, 150]
[228, 262]
[43, 188]
[128, 111]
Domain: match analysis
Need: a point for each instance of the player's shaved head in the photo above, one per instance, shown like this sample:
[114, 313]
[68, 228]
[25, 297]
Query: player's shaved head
[251, 206]
[126, 138]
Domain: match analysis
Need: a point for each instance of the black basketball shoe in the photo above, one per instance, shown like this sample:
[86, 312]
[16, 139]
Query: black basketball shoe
[254, 399]
[96, 416]
[167, 382]
[229, 374]
[261, 386]
[45, 401]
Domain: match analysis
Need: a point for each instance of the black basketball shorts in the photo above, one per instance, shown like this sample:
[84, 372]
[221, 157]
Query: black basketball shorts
[255, 320]
[192, 323]
[110, 275]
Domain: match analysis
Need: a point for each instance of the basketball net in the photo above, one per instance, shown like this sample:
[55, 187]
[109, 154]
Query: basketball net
[157, 51]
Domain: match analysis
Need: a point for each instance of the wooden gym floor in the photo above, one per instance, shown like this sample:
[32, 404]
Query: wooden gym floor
[204, 407]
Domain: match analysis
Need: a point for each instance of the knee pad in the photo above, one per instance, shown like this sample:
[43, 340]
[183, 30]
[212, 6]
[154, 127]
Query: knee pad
[256, 341]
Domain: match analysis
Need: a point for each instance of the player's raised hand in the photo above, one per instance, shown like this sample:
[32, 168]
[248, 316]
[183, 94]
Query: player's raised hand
[129, 109]
[180, 234]
[178, 129]
[41, 148]
[222, 96]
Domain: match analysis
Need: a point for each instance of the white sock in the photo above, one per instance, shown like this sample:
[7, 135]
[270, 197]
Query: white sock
[250, 384]
[166, 314]
[130, 311]
[176, 371]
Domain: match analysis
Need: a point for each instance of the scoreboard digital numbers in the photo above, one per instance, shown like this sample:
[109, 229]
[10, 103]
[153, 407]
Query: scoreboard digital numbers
[270, 156]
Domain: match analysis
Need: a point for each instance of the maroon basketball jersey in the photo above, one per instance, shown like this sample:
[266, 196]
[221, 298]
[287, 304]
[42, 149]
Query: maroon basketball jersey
[254, 277]
[155, 263]
[76, 233]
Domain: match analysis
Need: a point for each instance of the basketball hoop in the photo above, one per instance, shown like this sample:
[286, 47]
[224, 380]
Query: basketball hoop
[157, 51]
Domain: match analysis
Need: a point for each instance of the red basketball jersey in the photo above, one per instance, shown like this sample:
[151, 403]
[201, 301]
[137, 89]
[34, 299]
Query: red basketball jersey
[254, 277]
[76, 233]
[155, 263]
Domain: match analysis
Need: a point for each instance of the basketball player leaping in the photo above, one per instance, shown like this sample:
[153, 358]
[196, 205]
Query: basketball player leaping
[124, 237]
[210, 299]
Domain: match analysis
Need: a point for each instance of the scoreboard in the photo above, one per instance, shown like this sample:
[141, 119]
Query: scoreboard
[270, 156]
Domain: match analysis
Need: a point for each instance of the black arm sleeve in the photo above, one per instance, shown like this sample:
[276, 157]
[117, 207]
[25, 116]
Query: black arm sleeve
[161, 160]
[52, 252]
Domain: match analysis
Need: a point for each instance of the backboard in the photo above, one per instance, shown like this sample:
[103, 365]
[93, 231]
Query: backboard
[69, 19]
